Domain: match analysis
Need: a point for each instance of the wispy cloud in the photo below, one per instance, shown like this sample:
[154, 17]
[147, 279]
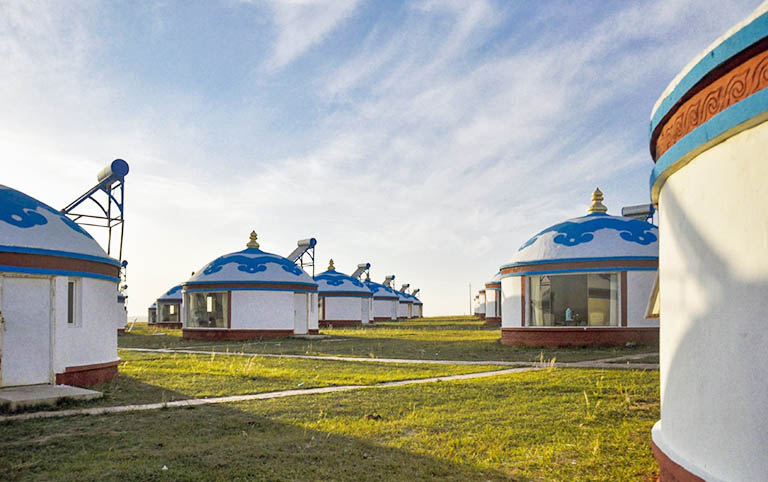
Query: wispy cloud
[301, 24]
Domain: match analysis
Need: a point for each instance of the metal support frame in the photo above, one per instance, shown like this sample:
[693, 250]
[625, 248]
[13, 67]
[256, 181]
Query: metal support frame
[111, 207]
[307, 259]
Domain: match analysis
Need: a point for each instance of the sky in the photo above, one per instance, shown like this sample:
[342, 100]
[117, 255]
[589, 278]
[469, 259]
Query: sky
[429, 138]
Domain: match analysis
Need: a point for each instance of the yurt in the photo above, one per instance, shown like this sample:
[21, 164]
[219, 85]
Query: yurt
[249, 294]
[385, 300]
[344, 300]
[418, 306]
[152, 314]
[57, 298]
[169, 307]
[405, 304]
[709, 142]
[481, 304]
[493, 301]
[584, 281]
[476, 305]
[122, 312]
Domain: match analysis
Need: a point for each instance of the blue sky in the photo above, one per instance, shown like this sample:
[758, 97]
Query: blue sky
[430, 138]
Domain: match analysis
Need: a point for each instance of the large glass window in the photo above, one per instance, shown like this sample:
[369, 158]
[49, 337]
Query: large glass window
[574, 300]
[207, 310]
[169, 313]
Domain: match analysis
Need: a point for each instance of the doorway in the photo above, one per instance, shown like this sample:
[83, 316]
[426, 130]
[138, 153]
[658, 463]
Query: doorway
[25, 342]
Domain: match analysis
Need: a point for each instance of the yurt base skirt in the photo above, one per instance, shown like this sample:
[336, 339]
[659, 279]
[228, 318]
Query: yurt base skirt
[383, 318]
[492, 321]
[174, 325]
[121, 331]
[236, 335]
[336, 323]
[669, 470]
[88, 375]
[554, 337]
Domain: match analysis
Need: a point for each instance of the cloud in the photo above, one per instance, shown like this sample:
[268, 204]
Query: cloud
[303, 23]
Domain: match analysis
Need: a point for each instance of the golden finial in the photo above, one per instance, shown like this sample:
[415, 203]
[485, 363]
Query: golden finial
[330, 265]
[597, 203]
[252, 243]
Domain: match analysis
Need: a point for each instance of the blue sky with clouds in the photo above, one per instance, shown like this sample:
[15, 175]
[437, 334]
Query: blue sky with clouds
[431, 138]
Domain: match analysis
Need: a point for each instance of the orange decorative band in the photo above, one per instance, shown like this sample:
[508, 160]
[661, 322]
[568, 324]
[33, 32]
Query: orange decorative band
[493, 286]
[576, 266]
[740, 77]
[56, 265]
[249, 286]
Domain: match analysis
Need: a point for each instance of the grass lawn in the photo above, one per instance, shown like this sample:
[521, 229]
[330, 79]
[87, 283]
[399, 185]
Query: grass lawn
[561, 424]
[446, 338]
[161, 377]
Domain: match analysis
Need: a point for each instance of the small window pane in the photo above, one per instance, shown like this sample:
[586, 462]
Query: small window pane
[71, 302]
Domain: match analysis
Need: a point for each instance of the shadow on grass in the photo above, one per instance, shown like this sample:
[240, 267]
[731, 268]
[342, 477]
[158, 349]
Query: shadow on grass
[207, 443]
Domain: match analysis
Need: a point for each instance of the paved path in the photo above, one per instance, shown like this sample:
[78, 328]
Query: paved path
[255, 396]
[600, 363]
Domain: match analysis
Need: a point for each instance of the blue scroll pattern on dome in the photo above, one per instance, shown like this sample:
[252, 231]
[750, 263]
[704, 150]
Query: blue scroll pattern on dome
[173, 290]
[572, 234]
[338, 279]
[20, 210]
[252, 265]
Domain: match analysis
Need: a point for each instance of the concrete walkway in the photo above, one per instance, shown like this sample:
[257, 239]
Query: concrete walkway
[599, 363]
[195, 402]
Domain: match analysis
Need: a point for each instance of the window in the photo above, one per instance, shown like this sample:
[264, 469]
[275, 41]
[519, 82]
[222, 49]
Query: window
[574, 300]
[208, 310]
[72, 301]
[169, 313]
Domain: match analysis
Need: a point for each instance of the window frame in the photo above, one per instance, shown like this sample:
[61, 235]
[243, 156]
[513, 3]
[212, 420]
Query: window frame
[621, 299]
[227, 311]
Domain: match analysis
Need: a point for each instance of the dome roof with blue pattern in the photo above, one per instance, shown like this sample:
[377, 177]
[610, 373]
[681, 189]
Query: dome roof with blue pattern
[404, 297]
[173, 295]
[333, 281]
[251, 265]
[30, 226]
[380, 291]
[595, 236]
[495, 280]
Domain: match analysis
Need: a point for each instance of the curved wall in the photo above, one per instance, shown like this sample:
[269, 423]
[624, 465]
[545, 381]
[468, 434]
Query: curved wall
[709, 141]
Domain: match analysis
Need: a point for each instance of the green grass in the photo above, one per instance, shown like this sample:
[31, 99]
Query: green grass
[563, 424]
[445, 338]
[160, 377]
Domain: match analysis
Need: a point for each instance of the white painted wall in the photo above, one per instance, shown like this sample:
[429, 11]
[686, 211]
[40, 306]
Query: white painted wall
[510, 302]
[385, 308]
[481, 305]
[262, 310]
[313, 314]
[121, 315]
[94, 338]
[713, 217]
[402, 310]
[346, 308]
[490, 303]
[639, 287]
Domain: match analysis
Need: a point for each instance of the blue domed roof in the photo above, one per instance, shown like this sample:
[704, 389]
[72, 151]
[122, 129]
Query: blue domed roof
[333, 281]
[404, 297]
[380, 292]
[30, 226]
[172, 295]
[251, 265]
[593, 237]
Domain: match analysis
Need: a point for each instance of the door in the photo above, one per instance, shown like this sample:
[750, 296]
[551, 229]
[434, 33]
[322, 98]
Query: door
[300, 313]
[26, 339]
[364, 310]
